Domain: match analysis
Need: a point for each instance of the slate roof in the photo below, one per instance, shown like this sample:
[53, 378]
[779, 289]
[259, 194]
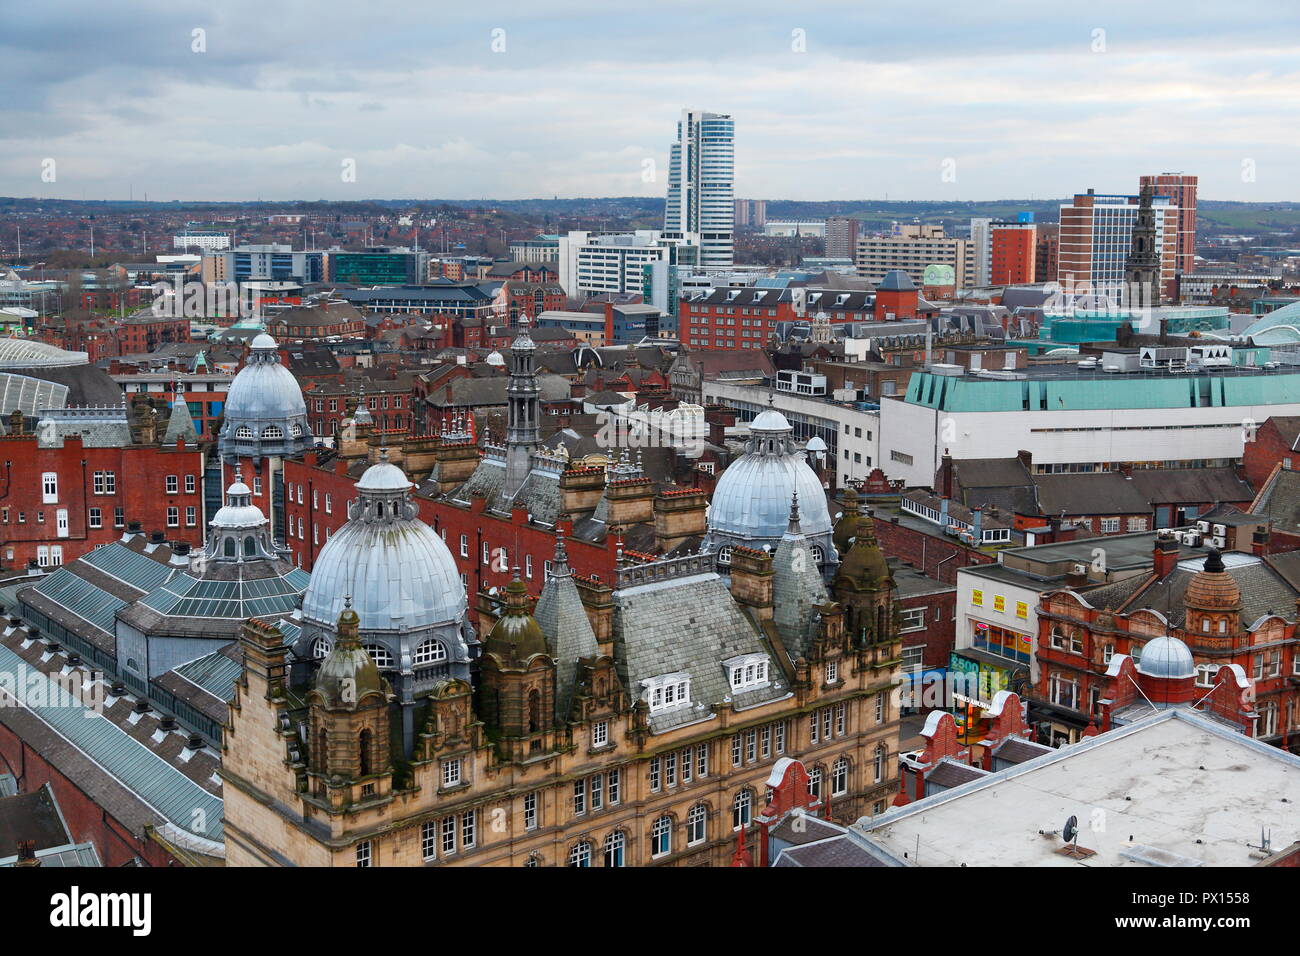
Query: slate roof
[31, 816]
[1098, 493]
[1263, 591]
[1016, 750]
[834, 851]
[1191, 485]
[797, 588]
[689, 624]
[562, 618]
[1113, 596]
[948, 773]
[1279, 501]
[491, 391]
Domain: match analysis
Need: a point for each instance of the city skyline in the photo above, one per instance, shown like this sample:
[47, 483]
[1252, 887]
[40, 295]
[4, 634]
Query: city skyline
[825, 108]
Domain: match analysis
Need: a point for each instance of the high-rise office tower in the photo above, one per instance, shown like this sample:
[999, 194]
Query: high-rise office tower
[701, 174]
[842, 237]
[1096, 237]
[981, 238]
[1181, 190]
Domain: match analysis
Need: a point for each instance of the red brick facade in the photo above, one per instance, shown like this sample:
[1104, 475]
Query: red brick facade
[79, 510]
[86, 820]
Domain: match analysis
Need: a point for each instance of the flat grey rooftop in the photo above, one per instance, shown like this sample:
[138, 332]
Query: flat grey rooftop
[1173, 789]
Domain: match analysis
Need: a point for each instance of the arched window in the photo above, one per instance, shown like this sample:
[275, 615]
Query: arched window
[724, 554]
[615, 844]
[879, 763]
[1205, 674]
[697, 823]
[243, 431]
[840, 777]
[533, 860]
[272, 432]
[320, 648]
[742, 811]
[661, 836]
[534, 711]
[430, 652]
[364, 744]
[229, 549]
[580, 854]
[250, 546]
[379, 654]
[815, 781]
[818, 554]
[296, 430]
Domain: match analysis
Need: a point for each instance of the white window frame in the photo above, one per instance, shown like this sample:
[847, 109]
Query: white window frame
[748, 672]
[668, 692]
[452, 772]
[50, 488]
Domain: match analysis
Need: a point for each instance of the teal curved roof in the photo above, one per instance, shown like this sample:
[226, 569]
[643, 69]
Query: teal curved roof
[1277, 327]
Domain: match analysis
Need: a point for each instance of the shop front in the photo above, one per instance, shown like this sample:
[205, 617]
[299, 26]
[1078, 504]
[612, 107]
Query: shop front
[998, 659]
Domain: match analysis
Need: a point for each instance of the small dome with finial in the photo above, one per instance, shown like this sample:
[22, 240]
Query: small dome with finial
[348, 674]
[1213, 588]
[516, 636]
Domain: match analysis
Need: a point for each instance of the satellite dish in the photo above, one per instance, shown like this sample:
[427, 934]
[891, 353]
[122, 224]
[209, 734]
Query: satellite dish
[1071, 831]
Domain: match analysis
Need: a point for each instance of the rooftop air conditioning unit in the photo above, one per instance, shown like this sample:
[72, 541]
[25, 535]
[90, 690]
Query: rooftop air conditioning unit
[1217, 541]
[1192, 538]
[1203, 527]
[1220, 530]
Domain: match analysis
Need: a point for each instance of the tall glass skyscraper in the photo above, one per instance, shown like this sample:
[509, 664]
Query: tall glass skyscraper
[701, 174]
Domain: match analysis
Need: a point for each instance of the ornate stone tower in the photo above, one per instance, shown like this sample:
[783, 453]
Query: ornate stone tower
[1142, 268]
[523, 409]
[864, 584]
[517, 680]
[349, 745]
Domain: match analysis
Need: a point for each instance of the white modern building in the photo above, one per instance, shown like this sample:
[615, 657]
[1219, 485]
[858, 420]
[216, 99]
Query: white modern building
[591, 263]
[208, 241]
[701, 182]
[1090, 418]
[849, 431]
[793, 227]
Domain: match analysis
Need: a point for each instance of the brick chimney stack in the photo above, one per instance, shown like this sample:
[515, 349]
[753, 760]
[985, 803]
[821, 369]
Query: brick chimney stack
[1165, 555]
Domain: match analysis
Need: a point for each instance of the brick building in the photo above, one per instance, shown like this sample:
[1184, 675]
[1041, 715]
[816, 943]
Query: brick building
[84, 474]
[1232, 608]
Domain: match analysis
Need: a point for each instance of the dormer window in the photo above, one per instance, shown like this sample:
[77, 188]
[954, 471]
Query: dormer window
[747, 672]
[667, 692]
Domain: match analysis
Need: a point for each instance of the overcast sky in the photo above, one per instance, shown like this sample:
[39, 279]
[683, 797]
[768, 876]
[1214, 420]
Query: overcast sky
[831, 100]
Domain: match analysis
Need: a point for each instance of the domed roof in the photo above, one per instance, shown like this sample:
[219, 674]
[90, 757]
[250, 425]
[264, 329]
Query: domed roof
[516, 636]
[864, 566]
[398, 571]
[264, 391]
[1213, 588]
[238, 511]
[752, 498]
[1167, 657]
[770, 420]
[383, 476]
[348, 674]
